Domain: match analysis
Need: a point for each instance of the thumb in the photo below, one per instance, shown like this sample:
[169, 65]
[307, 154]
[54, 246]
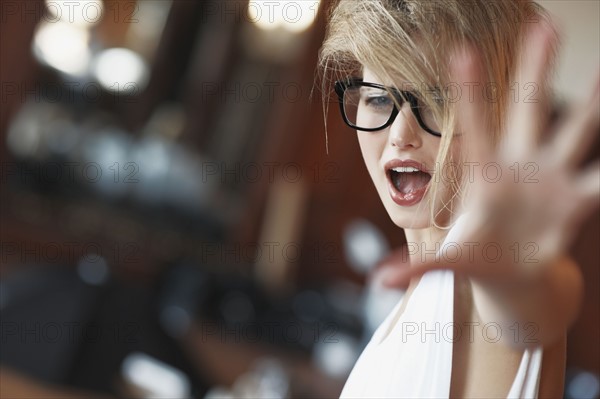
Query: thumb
[400, 277]
[397, 270]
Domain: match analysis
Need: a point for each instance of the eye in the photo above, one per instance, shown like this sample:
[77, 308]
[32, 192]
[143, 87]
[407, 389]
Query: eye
[377, 99]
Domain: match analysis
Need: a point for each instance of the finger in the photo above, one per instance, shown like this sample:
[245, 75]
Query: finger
[576, 134]
[397, 279]
[588, 186]
[391, 265]
[400, 277]
[529, 110]
[391, 276]
[467, 74]
[476, 137]
[398, 258]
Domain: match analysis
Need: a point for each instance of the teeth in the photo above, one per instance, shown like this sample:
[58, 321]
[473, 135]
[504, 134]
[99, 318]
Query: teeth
[404, 169]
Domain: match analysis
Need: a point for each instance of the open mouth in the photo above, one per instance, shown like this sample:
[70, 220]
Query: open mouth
[407, 184]
[407, 179]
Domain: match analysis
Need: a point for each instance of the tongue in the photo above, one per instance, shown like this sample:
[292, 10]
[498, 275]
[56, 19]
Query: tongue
[408, 182]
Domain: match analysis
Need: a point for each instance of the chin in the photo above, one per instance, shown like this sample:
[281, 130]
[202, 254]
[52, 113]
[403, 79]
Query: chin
[413, 217]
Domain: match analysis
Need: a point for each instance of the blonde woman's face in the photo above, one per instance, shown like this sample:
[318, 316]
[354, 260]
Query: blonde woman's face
[400, 160]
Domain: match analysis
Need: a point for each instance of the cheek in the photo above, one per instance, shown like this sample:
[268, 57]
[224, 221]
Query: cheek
[371, 147]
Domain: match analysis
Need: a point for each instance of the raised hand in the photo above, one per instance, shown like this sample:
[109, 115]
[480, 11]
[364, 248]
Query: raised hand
[533, 211]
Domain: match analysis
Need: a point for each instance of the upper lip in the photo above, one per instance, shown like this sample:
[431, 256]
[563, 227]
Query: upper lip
[394, 163]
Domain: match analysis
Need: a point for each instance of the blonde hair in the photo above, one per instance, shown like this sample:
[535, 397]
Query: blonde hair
[414, 39]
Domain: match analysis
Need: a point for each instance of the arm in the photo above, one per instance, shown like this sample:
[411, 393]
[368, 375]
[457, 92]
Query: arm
[545, 212]
[537, 310]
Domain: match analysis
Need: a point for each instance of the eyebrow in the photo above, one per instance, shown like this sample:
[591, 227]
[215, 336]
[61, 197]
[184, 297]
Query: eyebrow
[373, 89]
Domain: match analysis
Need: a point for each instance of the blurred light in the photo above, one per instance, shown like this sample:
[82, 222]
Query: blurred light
[266, 379]
[111, 172]
[63, 46]
[93, 269]
[293, 16]
[80, 12]
[24, 136]
[37, 128]
[61, 136]
[364, 245]
[584, 385]
[378, 302]
[337, 359]
[218, 392]
[121, 70]
[183, 188]
[155, 377]
[152, 157]
[175, 320]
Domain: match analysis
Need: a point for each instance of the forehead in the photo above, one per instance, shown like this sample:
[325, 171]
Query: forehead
[399, 82]
[370, 76]
[411, 71]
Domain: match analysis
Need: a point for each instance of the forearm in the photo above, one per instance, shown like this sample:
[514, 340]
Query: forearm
[533, 310]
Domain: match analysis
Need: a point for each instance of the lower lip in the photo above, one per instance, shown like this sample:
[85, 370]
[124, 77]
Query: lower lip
[408, 199]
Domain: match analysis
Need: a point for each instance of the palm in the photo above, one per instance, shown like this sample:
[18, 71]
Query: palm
[528, 196]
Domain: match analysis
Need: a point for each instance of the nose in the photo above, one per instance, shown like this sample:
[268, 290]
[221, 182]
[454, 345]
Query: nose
[405, 131]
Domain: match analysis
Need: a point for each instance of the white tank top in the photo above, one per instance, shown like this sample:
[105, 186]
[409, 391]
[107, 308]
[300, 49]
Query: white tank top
[415, 359]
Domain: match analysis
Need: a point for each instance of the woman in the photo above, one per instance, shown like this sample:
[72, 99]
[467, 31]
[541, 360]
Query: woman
[451, 104]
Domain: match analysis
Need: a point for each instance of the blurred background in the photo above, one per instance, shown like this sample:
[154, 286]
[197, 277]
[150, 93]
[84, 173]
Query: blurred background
[172, 223]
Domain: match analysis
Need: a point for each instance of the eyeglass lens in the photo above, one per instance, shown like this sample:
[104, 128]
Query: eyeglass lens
[371, 107]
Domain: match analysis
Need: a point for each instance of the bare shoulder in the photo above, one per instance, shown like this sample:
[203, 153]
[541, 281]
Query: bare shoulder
[484, 367]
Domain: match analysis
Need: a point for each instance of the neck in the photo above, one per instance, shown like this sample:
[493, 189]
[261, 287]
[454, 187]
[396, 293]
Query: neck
[423, 244]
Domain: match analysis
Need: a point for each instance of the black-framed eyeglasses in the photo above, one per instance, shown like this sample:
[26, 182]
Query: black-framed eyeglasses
[371, 106]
